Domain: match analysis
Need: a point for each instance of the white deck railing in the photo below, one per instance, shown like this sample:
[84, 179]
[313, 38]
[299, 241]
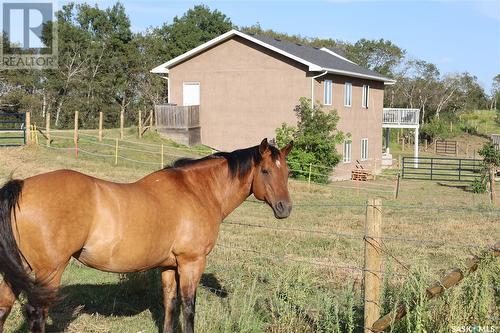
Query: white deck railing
[401, 117]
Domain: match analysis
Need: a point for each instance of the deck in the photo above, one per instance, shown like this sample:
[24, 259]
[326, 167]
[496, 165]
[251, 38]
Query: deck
[179, 123]
[400, 118]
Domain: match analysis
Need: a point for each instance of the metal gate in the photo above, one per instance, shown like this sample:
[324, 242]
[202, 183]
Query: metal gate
[442, 169]
[446, 147]
[12, 129]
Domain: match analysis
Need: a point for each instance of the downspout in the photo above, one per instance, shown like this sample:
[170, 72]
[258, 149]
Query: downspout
[168, 87]
[312, 87]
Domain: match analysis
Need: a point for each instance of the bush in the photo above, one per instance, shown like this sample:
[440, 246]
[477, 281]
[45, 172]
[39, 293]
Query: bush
[315, 139]
[479, 185]
[436, 128]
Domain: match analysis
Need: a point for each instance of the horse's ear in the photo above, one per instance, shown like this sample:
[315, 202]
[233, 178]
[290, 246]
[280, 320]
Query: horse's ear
[264, 145]
[286, 150]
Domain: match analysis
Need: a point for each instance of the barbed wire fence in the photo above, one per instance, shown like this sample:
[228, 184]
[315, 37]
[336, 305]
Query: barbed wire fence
[380, 244]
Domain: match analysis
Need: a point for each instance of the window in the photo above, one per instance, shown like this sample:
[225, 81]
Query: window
[364, 149]
[347, 94]
[190, 93]
[366, 96]
[327, 97]
[347, 151]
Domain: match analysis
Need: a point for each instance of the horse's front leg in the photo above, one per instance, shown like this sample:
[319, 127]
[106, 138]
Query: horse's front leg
[169, 287]
[190, 270]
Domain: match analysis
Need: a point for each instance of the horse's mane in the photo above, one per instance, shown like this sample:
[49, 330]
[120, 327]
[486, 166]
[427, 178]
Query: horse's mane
[239, 161]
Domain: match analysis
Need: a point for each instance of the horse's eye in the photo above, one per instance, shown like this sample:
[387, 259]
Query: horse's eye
[265, 171]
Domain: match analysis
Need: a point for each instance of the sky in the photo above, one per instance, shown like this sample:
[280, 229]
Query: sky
[457, 36]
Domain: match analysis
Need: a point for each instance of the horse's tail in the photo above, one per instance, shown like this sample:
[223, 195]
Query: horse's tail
[11, 264]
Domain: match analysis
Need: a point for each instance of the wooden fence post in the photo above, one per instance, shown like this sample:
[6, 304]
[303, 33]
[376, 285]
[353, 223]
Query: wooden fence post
[140, 124]
[162, 158]
[403, 146]
[100, 126]
[35, 132]
[493, 196]
[116, 151]
[467, 151]
[151, 114]
[309, 178]
[398, 179]
[426, 143]
[47, 127]
[122, 121]
[435, 146]
[373, 262]
[28, 127]
[75, 134]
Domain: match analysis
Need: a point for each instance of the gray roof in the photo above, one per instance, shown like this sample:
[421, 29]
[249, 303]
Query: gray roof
[318, 57]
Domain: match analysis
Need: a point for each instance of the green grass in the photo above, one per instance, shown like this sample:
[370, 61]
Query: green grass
[301, 280]
[485, 121]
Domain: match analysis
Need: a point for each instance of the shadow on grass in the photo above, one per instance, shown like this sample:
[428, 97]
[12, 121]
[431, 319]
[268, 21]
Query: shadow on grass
[134, 294]
[463, 187]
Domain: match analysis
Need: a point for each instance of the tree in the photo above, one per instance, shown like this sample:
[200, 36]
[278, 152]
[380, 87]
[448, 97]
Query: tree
[380, 55]
[491, 161]
[315, 139]
[197, 26]
[314, 42]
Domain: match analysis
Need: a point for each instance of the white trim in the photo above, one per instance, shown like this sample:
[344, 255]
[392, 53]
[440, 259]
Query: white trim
[327, 50]
[346, 84]
[163, 68]
[362, 76]
[326, 92]
[363, 149]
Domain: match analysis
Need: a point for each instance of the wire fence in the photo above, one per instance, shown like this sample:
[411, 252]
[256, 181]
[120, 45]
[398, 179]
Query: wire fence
[117, 148]
[382, 243]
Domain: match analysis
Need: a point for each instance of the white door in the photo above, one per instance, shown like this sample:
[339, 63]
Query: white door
[191, 94]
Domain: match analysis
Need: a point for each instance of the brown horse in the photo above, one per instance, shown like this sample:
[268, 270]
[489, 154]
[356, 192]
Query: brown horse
[169, 220]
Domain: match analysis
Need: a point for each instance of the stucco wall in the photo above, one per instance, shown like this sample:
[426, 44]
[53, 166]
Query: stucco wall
[356, 120]
[247, 91]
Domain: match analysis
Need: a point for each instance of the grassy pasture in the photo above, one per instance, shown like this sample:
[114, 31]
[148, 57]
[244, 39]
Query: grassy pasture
[301, 274]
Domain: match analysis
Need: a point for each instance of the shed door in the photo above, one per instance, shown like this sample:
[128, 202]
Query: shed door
[190, 94]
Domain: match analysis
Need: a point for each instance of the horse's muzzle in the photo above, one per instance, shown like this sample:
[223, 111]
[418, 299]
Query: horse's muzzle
[282, 209]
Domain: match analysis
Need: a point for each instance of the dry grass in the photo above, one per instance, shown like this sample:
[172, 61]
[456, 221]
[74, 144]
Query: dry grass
[265, 292]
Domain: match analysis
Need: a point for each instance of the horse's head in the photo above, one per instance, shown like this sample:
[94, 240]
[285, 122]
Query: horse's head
[270, 181]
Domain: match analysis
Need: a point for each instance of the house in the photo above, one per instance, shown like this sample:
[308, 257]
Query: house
[246, 86]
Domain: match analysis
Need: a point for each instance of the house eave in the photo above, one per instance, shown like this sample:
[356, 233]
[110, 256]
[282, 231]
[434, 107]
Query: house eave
[386, 80]
[163, 68]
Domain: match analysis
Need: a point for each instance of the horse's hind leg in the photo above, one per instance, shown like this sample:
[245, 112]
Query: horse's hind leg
[169, 286]
[7, 299]
[37, 313]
